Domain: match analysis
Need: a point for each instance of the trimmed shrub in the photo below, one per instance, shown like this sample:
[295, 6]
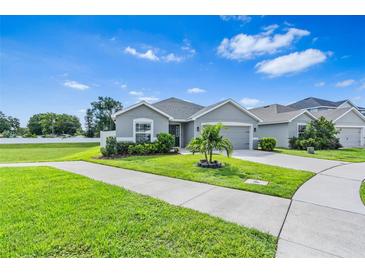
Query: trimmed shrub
[122, 147]
[110, 147]
[267, 143]
[165, 142]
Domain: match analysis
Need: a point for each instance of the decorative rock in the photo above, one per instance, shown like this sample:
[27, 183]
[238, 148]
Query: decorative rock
[256, 182]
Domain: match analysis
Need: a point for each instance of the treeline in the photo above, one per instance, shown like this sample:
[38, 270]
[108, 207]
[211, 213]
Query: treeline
[98, 117]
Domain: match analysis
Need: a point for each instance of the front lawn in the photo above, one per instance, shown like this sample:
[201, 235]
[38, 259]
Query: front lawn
[44, 152]
[46, 212]
[362, 192]
[283, 182]
[355, 155]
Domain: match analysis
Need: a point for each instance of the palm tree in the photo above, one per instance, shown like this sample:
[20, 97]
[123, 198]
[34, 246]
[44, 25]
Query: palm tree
[210, 140]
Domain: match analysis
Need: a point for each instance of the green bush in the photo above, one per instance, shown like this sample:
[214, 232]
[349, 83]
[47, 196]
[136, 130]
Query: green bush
[142, 149]
[8, 134]
[267, 143]
[320, 134]
[122, 147]
[165, 142]
[110, 147]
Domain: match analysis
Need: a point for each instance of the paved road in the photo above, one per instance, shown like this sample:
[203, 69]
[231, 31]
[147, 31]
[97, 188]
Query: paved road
[263, 212]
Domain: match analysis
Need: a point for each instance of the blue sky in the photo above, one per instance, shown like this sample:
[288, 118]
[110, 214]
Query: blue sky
[62, 63]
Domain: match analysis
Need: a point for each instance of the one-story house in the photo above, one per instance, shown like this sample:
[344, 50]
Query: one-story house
[350, 123]
[184, 120]
[281, 122]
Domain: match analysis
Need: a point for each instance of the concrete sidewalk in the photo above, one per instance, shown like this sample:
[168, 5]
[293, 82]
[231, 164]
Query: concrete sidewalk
[262, 212]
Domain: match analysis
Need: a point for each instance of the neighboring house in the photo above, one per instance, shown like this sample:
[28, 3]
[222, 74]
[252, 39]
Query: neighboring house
[185, 120]
[350, 123]
[347, 117]
[314, 104]
[281, 122]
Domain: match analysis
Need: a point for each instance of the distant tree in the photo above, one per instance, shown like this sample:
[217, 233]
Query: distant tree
[102, 111]
[55, 124]
[8, 123]
[89, 123]
[34, 124]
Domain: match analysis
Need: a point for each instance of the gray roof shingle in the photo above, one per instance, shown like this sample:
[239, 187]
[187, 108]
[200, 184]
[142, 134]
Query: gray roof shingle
[276, 113]
[177, 108]
[311, 102]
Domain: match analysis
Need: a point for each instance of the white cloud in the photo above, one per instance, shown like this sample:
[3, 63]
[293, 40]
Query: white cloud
[171, 57]
[241, 18]
[320, 84]
[136, 93]
[291, 63]
[149, 99]
[245, 46]
[82, 110]
[362, 86]
[270, 29]
[345, 83]
[249, 102]
[75, 85]
[196, 90]
[149, 54]
[188, 48]
[123, 86]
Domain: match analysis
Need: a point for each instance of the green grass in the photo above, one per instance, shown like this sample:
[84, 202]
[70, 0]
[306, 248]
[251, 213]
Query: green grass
[46, 212]
[44, 152]
[356, 155]
[283, 182]
[362, 192]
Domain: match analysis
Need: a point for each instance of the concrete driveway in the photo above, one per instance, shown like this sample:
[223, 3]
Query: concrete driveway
[326, 217]
[284, 160]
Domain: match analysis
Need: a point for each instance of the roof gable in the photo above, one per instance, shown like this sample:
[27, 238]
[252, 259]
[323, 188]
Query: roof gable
[138, 105]
[212, 107]
[336, 114]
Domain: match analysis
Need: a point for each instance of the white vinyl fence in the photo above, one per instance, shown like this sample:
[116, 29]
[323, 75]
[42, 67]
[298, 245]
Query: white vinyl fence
[104, 135]
[41, 140]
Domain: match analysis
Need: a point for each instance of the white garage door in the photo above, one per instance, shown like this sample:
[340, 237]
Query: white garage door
[238, 135]
[350, 137]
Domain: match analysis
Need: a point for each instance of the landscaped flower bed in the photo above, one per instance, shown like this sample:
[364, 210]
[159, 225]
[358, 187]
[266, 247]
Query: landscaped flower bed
[163, 145]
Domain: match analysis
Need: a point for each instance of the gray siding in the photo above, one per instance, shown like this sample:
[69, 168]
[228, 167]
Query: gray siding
[278, 131]
[350, 119]
[124, 122]
[187, 133]
[226, 113]
[293, 125]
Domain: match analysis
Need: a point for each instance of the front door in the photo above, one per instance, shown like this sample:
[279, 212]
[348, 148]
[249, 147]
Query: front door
[174, 130]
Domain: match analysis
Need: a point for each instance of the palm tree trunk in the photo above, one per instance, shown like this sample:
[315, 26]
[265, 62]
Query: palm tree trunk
[210, 155]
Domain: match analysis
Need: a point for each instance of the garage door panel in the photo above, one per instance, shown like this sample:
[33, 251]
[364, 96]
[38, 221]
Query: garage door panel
[238, 135]
[350, 137]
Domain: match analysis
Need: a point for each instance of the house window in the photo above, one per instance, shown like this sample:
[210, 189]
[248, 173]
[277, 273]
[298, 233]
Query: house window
[143, 132]
[301, 129]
